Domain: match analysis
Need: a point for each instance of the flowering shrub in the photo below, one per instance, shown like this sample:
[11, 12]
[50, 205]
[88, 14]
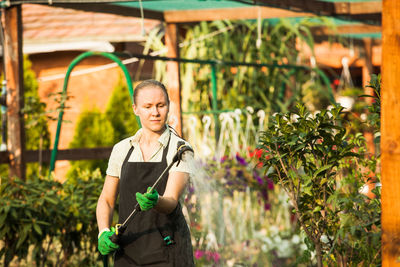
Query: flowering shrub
[233, 209]
[207, 256]
[239, 173]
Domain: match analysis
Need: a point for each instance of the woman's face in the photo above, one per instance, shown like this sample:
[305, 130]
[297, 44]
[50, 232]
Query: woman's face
[151, 106]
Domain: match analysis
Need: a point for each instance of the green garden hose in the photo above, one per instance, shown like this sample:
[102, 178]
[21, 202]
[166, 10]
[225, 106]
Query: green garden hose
[64, 93]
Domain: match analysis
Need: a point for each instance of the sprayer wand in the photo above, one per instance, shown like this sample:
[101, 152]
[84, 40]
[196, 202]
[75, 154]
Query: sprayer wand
[120, 228]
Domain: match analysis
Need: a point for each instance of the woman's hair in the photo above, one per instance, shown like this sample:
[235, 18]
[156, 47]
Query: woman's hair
[149, 83]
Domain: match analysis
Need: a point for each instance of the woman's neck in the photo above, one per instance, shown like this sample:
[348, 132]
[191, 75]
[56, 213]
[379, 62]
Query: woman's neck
[149, 137]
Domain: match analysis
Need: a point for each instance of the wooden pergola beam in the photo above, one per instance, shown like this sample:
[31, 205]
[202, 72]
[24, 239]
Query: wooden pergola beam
[390, 133]
[13, 58]
[359, 28]
[326, 8]
[182, 16]
[112, 9]
[357, 8]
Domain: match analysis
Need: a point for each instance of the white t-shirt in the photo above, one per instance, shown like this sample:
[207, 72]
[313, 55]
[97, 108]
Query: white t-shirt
[121, 149]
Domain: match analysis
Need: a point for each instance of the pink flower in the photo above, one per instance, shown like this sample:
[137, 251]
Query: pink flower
[209, 255]
[198, 254]
[222, 160]
[270, 183]
[217, 257]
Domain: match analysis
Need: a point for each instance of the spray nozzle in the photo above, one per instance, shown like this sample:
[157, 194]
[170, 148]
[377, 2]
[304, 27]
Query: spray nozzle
[182, 151]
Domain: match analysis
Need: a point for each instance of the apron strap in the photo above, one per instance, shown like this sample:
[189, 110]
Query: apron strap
[165, 150]
[128, 155]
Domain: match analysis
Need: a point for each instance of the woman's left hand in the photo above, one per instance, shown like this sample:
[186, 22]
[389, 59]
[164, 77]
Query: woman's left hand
[147, 200]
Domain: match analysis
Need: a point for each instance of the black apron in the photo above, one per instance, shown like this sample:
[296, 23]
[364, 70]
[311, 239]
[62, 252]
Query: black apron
[151, 238]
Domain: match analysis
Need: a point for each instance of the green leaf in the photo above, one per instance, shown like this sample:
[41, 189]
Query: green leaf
[300, 147]
[23, 235]
[43, 223]
[2, 218]
[307, 191]
[323, 168]
[299, 164]
[52, 201]
[323, 181]
[37, 228]
[4, 230]
[317, 209]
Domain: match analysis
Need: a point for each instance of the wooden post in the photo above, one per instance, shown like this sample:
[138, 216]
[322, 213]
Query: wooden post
[12, 23]
[174, 88]
[367, 69]
[390, 130]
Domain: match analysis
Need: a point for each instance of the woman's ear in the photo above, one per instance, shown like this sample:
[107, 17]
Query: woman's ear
[135, 109]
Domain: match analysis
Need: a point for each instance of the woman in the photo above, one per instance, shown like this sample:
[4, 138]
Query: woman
[158, 235]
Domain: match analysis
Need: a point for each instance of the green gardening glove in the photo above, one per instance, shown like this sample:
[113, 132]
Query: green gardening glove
[147, 200]
[105, 245]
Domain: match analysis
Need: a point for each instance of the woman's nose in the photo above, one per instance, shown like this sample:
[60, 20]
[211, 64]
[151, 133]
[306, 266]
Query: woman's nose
[154, 110]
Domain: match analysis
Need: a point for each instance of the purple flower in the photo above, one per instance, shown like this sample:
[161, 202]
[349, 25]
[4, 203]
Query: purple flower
[191, 189]
[222, 160]
[264, 194]
[198, 254]
[241, 160]
[258, 178]
[267, 206]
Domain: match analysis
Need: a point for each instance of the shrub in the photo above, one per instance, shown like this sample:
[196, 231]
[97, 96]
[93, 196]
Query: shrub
[53, 223]
[321, 169]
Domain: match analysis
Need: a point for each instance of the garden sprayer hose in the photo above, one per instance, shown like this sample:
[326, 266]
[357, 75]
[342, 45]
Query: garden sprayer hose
[182, 148]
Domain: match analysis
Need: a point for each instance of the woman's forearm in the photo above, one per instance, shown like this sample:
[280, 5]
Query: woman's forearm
[175, 186]
[166, 204]
[106, 202]
[104, 214]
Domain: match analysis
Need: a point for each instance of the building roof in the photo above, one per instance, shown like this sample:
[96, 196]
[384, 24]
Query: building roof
[55, 28]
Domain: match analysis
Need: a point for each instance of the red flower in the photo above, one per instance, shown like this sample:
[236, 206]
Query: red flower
[336, 82]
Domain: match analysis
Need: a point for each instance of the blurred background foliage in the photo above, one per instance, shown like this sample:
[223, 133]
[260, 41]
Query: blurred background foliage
[36, 119]
[273, 88]
[97, 129]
